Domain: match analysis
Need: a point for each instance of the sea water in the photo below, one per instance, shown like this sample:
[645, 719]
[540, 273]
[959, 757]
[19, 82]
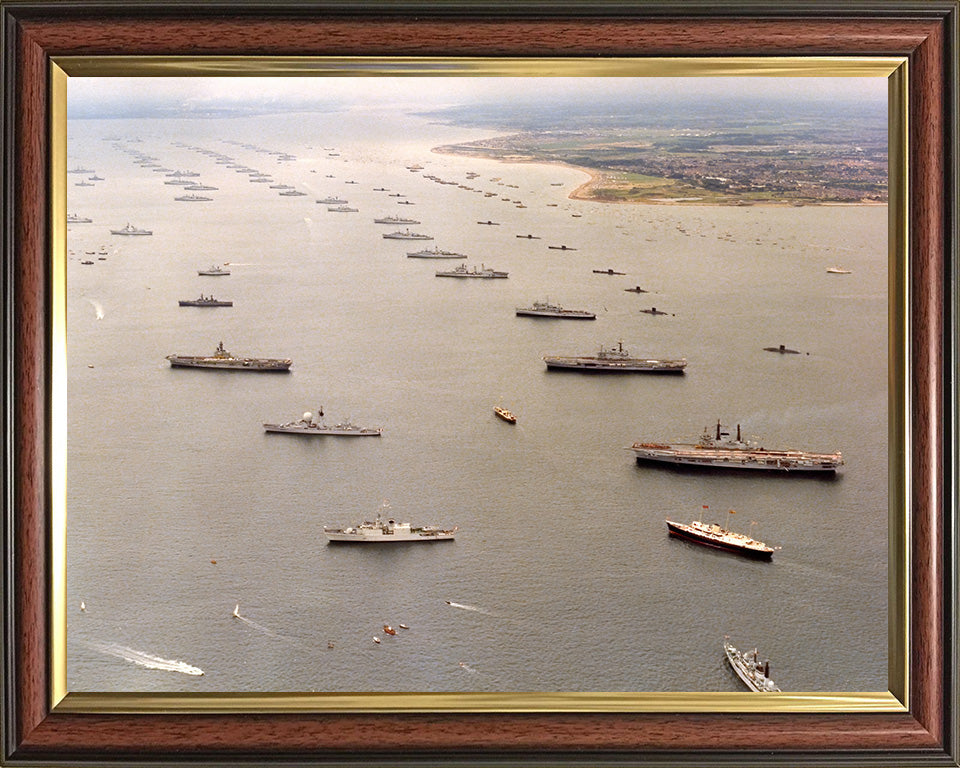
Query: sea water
[562, 576]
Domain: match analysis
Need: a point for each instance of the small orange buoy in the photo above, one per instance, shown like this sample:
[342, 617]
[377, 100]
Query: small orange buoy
[214, 562]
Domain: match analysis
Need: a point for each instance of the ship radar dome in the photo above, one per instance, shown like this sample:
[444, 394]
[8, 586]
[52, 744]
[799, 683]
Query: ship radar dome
[307, 415]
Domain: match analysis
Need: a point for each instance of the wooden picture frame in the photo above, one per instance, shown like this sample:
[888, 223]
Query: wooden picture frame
[36, 731]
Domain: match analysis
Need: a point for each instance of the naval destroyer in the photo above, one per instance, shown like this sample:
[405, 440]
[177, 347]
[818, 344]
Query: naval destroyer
[388, 531]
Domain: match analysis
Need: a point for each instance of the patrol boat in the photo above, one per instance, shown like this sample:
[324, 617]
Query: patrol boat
[129, 229]
[222, 359]
[546, 309]
[307, 425]
[205, 301]
[718, 450]
[755, 676]
[483, 272]
[713, 535]
[388, 531]
[616, 360]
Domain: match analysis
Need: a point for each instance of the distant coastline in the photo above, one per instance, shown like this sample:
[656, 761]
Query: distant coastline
[599, 179]
[609, 185]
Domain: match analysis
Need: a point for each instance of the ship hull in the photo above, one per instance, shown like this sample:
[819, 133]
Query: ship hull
[470, 274]
[296, 430]
[736, 661]
[769, 461]
[689, 535]
[395, 538]
[262, 366]
[592, 365]
[571, 315]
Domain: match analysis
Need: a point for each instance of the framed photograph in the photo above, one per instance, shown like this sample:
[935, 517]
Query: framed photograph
[713, 523]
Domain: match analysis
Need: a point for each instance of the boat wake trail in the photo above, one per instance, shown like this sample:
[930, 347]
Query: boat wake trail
[464, 607]
[144, 659]
[259, 627]
[467, 668]
[97, 307]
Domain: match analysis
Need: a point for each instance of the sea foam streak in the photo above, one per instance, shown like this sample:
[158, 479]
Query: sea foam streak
[148, 660]
[259, 627]
[98, 308]
[463, 607]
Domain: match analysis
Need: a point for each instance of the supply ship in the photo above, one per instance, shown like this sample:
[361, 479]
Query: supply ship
[718, 450]
[616, 360]
[223, 360]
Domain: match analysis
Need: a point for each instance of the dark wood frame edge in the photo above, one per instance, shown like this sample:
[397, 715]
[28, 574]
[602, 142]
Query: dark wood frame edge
[926, 32]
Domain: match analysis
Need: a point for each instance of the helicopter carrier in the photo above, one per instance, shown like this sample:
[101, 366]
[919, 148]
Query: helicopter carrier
[616, 360]
[223, 360]
[717, 449]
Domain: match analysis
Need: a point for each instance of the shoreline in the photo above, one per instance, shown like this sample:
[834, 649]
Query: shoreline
[582, 192]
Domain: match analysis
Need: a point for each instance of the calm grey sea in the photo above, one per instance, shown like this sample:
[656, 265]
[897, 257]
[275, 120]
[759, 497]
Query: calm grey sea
[562, 577]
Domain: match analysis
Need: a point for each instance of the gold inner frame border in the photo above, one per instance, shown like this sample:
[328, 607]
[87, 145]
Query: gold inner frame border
[895, 699]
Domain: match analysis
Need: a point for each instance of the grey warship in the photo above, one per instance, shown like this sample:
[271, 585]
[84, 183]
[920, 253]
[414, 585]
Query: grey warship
[307, 425]
[223, 360]
[205, 301]
[435, 253]
[616, 360]
[395, 220]
[483, 272]
[719, 451]
[546, 309]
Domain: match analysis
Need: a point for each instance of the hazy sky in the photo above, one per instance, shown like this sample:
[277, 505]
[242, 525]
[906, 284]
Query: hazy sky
[112, 93]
